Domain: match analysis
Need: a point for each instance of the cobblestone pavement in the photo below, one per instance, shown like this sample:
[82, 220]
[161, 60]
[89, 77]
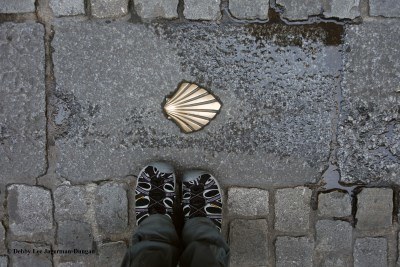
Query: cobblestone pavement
[306, 147]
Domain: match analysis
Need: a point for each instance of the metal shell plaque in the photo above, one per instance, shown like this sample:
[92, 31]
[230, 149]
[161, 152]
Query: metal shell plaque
[191, 107]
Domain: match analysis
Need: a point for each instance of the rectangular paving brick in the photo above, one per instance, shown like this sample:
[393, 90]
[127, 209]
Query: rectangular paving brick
[22, 102]
[248, 243]
[108, 8]
[292, 209]
[67, 7]
[368, 135]
[249, 9]
[342, 9]
[30, 212]
[370, 252]
[202, 9]
[111, 252]
[300, 10]
[334, 204]
[74, 235]
[385, 8]
[247, 201]
[151, 9]
[374, 208]
[294, 251]
[116, 132]
[333, 236]
[70, 203]
[29, 259]
[17, 6]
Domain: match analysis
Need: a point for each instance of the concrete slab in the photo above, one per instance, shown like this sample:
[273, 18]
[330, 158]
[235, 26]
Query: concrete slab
[369, 130]
[278, 96]
[22, 103]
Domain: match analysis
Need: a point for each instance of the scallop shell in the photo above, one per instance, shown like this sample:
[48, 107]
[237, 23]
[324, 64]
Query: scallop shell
[191, 107]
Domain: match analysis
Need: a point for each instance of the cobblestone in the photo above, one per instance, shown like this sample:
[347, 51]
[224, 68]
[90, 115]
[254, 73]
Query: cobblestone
[336, 260]
[3, 261]
[30, 259]
[248, 202]
[71, 264]
[374, 208]
[70, 203]
[111, 208]
[292, 209]
[334, 204]
[294, 251]
[249, 9]
[370, 252]
[157, 9]
[368, 136]
[20, 6]
[385, 8]
[30, 212]
[333, 236]
[67, 7]
[22, 102]
[74, 235]
[108, 9]
[248, 243]
[3, 249]
[111, 252]
[343, 9]
[202, 10]
[300, 10]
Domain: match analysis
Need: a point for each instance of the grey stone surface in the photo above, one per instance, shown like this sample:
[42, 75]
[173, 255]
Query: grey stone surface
[21, 254]
[71, 264]
[150, 9]
[300, 10]
[74, 235]
[3, 248]
[248, 243]
[385, 8]
[247, 201]
[109, 104]
[67, 7]
[333, 236]
[294, 251]
[108, 8]
[343, 9]
[30, 211]
[292, 209]
[3, 261]
[20, 6]
[249, 9]
[22, 102]
[111, 207]
[70, 202]
[111, 252]
[336, 260]
[370, 252]
[374, 208]
[334, 204]
[369, 132]
[202, 10]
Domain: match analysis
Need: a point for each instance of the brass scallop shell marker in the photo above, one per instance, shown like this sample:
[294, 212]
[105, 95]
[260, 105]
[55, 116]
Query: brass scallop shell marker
[191, 107]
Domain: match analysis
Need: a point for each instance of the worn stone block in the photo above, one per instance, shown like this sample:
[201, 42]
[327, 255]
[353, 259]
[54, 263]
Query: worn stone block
[151, 9]
[22, 102]
[67, 7]
[249, 9]
[292, 209]
[111, 207]
[108, 8]
[248, 243]
[111, 252]
[336, 260]
[30, 211]
[333, 236]
[342, 9]
[370, 252]
[202, 10]
[71, 264]
[385, 8]
[294, 251]
[3, 261]
[74, 235]
[368, 136]
[3, 249]
[300, 10]
[29, 258]
[255, 141]
[334, 204]
[247, 201]
[70, 203]
[374, 208]
[20, 6]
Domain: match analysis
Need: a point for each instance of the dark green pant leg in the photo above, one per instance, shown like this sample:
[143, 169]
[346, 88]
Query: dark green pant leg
[204, 245]
[155, 244]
